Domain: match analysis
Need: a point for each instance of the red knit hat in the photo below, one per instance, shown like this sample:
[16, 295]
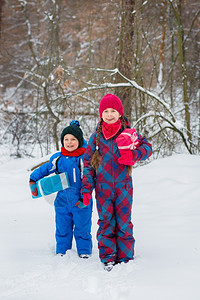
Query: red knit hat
[111, 101]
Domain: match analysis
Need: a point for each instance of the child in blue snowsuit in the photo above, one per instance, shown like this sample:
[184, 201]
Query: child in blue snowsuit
[72, 217]
[107, 169]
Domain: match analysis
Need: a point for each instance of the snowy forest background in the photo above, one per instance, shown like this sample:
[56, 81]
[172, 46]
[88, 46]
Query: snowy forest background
[58, 58]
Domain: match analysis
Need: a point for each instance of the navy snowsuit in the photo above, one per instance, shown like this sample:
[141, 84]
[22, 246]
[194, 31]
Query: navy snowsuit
[70, 219]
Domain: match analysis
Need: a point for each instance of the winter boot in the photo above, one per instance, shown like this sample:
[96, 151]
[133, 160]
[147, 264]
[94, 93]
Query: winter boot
[84, 255]
[108, 266]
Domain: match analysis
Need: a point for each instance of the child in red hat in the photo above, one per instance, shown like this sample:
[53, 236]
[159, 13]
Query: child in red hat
[112, 149]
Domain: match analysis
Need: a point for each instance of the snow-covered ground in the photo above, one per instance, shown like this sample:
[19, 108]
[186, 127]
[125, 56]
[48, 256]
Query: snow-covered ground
[166, 217]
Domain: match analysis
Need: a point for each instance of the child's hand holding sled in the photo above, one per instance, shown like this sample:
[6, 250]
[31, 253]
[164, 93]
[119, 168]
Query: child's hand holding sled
[127, 142]
[33, 188]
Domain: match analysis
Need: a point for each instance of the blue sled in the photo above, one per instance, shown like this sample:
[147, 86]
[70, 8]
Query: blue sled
[52, 184]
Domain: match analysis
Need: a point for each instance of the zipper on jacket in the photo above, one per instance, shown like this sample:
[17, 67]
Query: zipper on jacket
[74, 174]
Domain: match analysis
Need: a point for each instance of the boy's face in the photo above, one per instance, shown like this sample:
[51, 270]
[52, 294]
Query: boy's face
[70, 142]
[110, 115]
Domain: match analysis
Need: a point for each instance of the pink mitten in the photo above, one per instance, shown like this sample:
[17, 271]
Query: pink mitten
[86, 199]
[127, 140]
[127, 158]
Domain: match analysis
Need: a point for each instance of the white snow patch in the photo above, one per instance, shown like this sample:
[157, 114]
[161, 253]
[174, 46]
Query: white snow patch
[166, 221]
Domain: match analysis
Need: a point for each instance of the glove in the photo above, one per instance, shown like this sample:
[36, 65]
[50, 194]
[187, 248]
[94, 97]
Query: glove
[86, 198]
[127, 158]
[33, 188]
[80, 204]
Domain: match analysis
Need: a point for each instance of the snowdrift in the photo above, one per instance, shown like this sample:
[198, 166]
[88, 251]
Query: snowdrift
[166, 221]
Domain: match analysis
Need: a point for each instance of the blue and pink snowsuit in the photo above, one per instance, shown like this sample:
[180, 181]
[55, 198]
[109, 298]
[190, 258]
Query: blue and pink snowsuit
[70, 219]
[114, 196]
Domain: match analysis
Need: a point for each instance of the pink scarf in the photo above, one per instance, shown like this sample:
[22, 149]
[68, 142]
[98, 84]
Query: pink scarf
[110, 130]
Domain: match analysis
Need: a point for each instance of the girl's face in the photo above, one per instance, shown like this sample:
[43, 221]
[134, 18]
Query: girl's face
[110, 115]
[70, 142]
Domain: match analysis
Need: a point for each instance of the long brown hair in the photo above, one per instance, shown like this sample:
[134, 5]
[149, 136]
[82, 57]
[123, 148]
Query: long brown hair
[96, 158]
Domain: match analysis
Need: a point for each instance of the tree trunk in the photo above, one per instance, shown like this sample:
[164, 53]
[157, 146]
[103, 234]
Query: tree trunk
[182, 61]
[162, 45]
[125, 54]
[1, 4]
